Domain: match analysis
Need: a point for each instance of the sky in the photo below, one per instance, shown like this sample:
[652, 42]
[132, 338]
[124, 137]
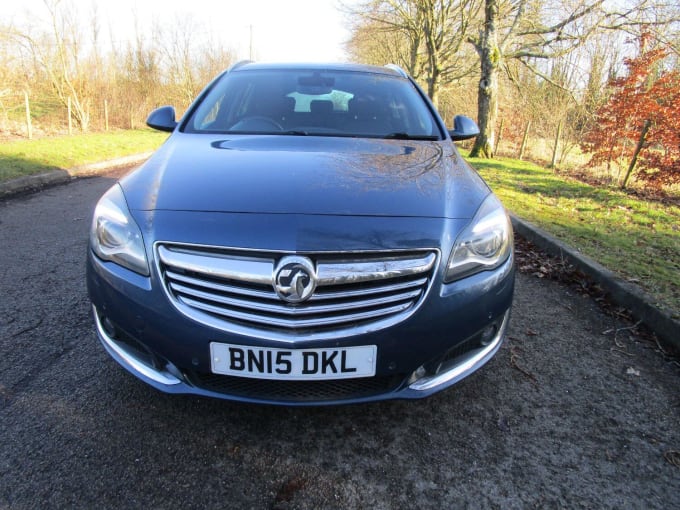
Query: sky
[282, 30]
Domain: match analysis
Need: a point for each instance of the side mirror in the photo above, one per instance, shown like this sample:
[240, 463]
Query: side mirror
[463, 128]
[162, 118]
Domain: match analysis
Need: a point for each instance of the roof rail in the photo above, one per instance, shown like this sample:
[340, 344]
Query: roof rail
[238, 64]
[398, 69]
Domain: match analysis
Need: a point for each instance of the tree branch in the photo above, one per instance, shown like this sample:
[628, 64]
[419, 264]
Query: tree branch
[548, 79]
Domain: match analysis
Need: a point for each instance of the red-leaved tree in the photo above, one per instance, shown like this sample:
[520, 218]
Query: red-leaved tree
[641, 121]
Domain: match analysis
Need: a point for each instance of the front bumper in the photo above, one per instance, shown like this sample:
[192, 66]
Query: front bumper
[169, 379]
[451, 336]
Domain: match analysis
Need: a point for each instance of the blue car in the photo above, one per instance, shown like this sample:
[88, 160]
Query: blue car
[308, 234]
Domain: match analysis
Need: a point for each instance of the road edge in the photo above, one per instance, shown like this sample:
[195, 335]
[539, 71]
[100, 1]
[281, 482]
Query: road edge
[621, 292]
[58, 176]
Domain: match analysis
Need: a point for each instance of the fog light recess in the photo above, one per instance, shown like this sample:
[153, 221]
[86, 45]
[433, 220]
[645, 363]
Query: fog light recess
[108, 326]
[488, 334]
[419, 373]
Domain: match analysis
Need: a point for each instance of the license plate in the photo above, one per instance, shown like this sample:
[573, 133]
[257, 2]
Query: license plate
[293, 364]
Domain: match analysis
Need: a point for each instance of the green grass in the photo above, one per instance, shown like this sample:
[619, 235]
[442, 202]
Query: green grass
[638, 239]
[27, 157]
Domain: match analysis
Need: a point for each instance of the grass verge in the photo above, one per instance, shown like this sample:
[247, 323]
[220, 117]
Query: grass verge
[27, 157]
[636, 238]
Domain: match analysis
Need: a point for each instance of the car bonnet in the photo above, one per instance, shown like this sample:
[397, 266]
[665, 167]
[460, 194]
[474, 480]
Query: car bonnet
[283, 174]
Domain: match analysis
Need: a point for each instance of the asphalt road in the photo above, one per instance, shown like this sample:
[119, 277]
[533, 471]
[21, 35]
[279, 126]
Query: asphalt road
[563, 417]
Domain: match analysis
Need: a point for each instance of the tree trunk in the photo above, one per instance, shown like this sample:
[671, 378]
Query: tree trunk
[433, 49]
[638, 148]
[500, 136]
[553, 161]
[523, 147]
[433, 89]
[487, 95]
[70, 116]
[106, 115]
[29, 126]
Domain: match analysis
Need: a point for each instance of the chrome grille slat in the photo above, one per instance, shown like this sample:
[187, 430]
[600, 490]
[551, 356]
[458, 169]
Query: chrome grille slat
[296, 323]
[307, 309]
[357, 272]
[233, 290]
[220, 287]
[236, 268]
[369, 290]
[324, 295]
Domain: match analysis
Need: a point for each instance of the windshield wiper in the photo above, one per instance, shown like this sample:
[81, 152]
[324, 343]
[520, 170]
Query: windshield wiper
[400, 135]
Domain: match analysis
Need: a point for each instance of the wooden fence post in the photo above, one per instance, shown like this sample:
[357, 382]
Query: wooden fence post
[29, 126]
[70, 122]
[500, 134]
[524, 141]
[557, 141]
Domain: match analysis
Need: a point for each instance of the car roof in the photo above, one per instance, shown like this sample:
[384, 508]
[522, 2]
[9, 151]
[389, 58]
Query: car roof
[316, 66]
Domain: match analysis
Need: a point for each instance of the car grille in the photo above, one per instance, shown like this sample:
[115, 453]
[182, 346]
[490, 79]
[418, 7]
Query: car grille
[233, 290]
[296, 391]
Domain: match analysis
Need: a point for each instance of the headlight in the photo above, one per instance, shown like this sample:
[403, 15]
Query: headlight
[114, 234]
[484, 244]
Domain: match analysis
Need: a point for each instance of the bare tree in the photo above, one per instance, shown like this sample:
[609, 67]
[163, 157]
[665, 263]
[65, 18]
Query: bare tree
[426, 37]
[531, 32]
[190, 57]
[63, 56]
[372, 43]
[520, 32]
[57, 52]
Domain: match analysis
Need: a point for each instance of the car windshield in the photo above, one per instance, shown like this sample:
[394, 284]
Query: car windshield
[312, 102]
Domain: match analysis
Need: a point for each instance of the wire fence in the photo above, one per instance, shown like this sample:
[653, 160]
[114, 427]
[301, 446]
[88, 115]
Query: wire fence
[28, 117]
